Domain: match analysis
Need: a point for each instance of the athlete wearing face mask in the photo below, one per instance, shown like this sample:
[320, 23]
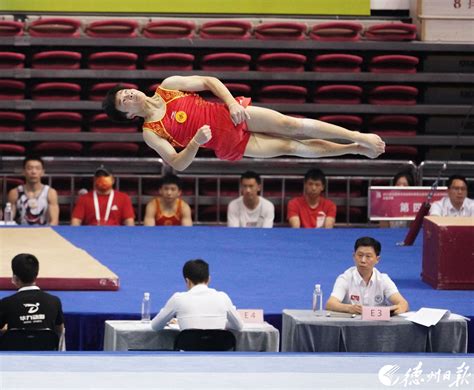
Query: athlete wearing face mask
[103, 206]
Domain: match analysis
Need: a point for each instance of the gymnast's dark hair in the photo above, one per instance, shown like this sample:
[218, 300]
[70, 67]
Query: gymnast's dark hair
[108, 105]
[170, 179]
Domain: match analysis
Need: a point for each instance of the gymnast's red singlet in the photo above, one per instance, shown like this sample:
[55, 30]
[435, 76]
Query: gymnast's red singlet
[186, 112]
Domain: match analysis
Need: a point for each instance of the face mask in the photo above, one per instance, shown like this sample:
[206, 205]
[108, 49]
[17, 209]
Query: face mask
[103, 183]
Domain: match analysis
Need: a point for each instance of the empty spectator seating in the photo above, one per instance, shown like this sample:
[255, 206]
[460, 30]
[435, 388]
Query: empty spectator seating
[11, 60]
[338, 94]
[12, 90]
[281, 30]
[391, 32]
[281, 62]
[393, 94]
[226, 62]
[101, 123]
[393, 63]
[351, 122]
[112, 28]
[12, 150]
[11, 28]
[283, 94]
[336, 31]
[169, 29]
[56, 91]
[57, 122]
[337, 63]
[56, 59]
[113, 60]
[12, 121]
[169, 61]
[226, 29]
[119, 149]
[55, 27]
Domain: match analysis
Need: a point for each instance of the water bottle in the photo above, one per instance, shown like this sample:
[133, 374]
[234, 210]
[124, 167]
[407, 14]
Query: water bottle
[318, 300]
[146, 307]
[7, 214]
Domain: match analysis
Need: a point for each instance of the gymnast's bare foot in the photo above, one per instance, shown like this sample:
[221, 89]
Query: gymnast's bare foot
[369, 152]
[373, 142]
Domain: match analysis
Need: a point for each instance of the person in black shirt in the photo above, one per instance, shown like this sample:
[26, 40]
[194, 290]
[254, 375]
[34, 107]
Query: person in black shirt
[30, 308]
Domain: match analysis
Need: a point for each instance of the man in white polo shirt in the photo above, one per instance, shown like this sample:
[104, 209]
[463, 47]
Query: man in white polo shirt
[456, 204]
[200, 307]
[364, 285]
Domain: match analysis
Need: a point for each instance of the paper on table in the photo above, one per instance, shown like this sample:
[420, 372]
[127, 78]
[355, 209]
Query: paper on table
[427, 316]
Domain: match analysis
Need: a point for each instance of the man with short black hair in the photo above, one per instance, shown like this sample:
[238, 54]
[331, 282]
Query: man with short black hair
[250, 209]
[103, 206]
[364, 285]
[456, 204]
[34, 203]
[168, 209]
[312, 210]
[30, 308]
[200, 307]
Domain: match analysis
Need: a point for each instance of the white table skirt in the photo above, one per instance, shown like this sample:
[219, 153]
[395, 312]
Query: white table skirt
[137, 335]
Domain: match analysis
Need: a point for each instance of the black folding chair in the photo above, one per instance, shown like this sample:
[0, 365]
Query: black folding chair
[205, 340]
[29, 340]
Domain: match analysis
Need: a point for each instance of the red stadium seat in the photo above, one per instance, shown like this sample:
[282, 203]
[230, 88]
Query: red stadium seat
[11, 60]
[351, 122]
[236, 89]
[281, 62]
[393, 123]
[12, 150]
[283, 94]
[57, 122]
[55, 27]
[99, 90]
[11, 28]
[169, 61]
[336, 31]
[12, 121]
[281, 30]
[225, 29]
[113, 60]
[393, 94]
[12, 90]
[226, 62]
[58, 148]
[337, 63]
[56, 91]
[338, 94]
[123, 149]
[101, 123]
[56, 59]
[391, 32]
[393, 63]
[112, 28]
[169, 29]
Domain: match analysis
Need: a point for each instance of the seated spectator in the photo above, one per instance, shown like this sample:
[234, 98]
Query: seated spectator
[103, 206]
[29, 307]
[312, 210]
[401, 179]
[456, 204]
[168, 209]
[200, 307]
[34, 203]
[364, 285]
[250, 209]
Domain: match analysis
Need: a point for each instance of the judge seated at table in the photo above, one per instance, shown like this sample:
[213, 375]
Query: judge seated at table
[200, 307]
[364, 285]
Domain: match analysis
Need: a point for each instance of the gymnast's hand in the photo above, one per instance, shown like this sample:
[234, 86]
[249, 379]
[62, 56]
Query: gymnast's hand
[238, 114]
[203, 135]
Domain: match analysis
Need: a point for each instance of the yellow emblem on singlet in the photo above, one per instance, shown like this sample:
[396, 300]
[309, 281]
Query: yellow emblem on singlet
[181, 117]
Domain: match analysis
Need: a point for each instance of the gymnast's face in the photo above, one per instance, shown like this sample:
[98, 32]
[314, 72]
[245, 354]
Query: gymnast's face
[170, 192]
[130, 101]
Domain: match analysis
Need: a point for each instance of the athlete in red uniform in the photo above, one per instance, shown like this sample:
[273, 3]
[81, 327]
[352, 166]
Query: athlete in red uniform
[175, 116]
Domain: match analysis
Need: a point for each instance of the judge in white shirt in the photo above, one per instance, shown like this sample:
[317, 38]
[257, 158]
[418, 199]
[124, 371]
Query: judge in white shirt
[200, 307]
[364, 285]
[250, 209]
[456, 204]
